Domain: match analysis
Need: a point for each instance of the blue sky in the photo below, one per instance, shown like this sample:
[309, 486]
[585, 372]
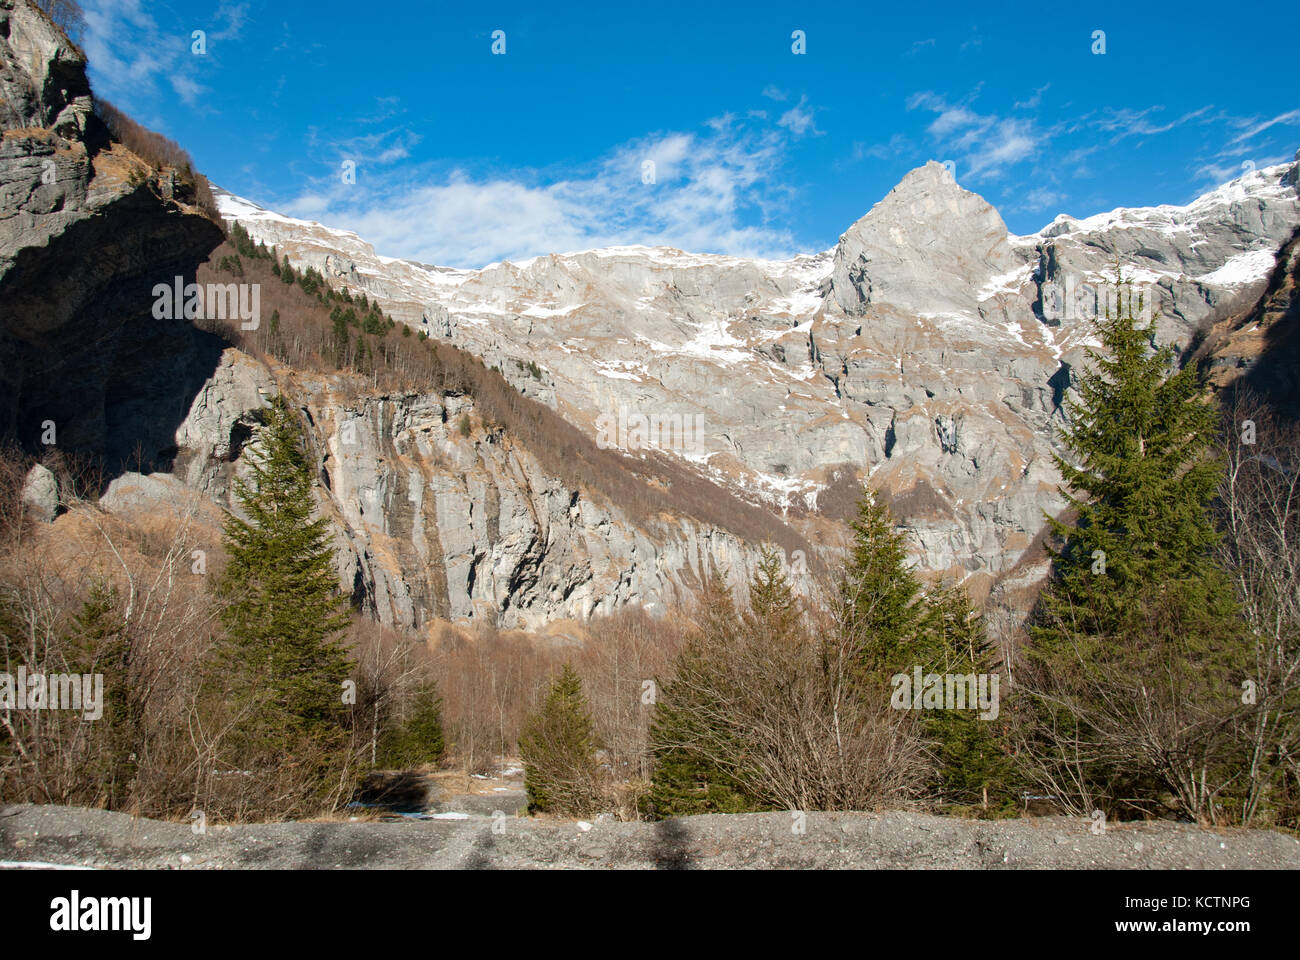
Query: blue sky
[463, 157]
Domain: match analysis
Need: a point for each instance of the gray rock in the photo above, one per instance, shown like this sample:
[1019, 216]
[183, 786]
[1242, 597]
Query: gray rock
[41, 492]
[915, 353]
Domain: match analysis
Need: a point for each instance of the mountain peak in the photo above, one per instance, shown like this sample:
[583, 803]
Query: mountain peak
[928, 227]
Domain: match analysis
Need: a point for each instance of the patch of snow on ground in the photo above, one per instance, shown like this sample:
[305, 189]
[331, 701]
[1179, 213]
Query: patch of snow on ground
[1008, 282]
[1243, 268]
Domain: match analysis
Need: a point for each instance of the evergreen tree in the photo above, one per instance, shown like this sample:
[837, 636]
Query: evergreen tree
[1136, 632]
[558, 747]
[973, 765]
[418, 738]
[1140, 474]
[772, 602]
[881, 596]
[691, 729]
[901, 626]
[283, 614]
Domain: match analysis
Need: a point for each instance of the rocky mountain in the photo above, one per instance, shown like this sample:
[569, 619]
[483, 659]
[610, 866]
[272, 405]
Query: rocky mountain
[929, 350]
[431, 522]
[671, 411]
[84, 234]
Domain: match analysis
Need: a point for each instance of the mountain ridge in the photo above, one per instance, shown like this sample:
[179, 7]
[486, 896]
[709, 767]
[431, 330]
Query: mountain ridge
[915, 352]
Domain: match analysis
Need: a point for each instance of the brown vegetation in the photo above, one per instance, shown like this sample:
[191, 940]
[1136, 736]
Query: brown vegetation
[162, 154]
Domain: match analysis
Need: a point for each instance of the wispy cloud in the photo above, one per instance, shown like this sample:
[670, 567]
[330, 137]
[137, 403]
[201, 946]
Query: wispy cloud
[715, 191]
[799, 119]
[1122, 124]
[130, 54]
[983, 145]
[1254, 129]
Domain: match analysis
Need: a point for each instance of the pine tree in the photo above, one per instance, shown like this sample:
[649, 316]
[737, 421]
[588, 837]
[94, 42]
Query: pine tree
[772, 603]
[881, 595]
[1140, 476]
[973, 764]
[690, 729]
[902, 626]
[283, 614]
[418, 738]
[1136, 650]
[558, 747]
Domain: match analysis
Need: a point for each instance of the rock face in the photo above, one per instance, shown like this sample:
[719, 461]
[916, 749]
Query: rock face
[471, 527]
[885, 259]
[83, 240]
[432, 523]
[1259, 349]
[928, 350]
[43, 75]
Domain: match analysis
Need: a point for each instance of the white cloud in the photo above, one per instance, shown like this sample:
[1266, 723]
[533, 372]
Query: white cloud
[715, 191]
[983, 145]
[130, 55]
[799, 119]
[1042, 198]
[1138, 123]
[1256, 128]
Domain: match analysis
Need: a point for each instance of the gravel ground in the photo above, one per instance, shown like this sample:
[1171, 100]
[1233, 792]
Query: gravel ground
[477, 839]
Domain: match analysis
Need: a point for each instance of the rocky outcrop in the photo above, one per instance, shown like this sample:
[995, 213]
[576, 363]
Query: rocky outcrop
[84, 237]
[885, 258]
[1201, 263]
[40, 492]
[43, 75]
[433, 522]
[1258, 351]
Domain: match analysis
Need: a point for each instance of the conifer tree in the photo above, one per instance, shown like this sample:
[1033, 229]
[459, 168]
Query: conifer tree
[417, 739]
[691, 728]
[1140, 474]
[973, 764]
[558, 747]
[283, 614]
[881, 595]
[772, 603]
[1136, 651]
[901, 627]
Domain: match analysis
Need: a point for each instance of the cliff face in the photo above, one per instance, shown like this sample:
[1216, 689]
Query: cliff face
[432, 523]
[1259, 349]
[429, 523]
[84, 236]
[928, 350]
